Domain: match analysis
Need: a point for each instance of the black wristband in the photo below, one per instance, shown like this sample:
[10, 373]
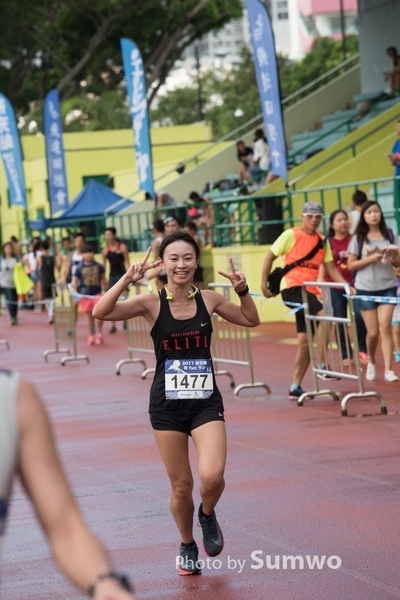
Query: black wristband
[122, 579]
[243, 292]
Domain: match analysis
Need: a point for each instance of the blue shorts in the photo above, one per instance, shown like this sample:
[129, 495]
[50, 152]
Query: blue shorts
[370, 304]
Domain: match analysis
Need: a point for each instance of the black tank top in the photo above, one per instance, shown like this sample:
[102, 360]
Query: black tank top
[116, 258]
[182, 348]
[47, 277]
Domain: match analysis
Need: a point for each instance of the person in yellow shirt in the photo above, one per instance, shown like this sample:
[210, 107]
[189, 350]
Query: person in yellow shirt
[294, 244]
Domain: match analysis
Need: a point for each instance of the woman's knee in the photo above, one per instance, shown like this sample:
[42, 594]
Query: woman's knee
[372, 334]
[182, 489]
[212, 480]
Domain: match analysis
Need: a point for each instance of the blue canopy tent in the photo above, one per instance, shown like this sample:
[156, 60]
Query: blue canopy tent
[88, 211]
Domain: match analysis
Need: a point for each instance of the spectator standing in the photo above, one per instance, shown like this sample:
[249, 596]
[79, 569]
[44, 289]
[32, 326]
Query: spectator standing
[245, 158]
[260, 155]
[294, 244]
[339, 239]
[7, 264]
[27, 448]
[30, 260]
[89, 280]
[46, 266]
[372, 255]
[16, 247]
[117, 255]
[358, 198]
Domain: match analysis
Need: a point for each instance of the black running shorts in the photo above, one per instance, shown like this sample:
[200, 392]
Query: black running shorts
[188, 416]
[294, 295]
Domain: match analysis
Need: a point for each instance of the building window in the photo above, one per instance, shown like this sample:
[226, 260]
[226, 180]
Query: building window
[283, 15]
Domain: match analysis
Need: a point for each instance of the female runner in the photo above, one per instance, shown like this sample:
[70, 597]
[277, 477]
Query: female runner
[184, 398]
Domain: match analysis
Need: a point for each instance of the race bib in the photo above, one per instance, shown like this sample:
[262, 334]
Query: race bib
[188, 379]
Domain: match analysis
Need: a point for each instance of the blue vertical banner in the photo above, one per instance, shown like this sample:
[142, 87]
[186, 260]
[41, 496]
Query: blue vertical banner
[262, 39]
[56, 171]
[136, 84]
[10, 150]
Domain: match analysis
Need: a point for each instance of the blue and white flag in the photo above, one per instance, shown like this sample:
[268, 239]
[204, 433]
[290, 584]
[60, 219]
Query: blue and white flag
[10, 150]
[262, 39]
[56, 171]
[136, 84]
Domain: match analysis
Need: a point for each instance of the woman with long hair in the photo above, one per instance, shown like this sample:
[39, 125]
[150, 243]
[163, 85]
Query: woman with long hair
[184, 398]
[339, 238]
[372, 255]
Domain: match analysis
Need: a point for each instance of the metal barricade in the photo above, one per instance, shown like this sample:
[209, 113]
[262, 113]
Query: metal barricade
[64, 326]
[328, 361]
[231, 344]
[139, 340]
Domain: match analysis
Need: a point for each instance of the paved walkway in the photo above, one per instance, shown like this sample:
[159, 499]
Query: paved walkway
[301, 482]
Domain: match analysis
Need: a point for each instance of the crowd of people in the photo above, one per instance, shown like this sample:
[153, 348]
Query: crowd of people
[367, 261]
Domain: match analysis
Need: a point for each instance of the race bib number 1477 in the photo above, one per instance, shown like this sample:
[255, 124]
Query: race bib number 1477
[188, 379]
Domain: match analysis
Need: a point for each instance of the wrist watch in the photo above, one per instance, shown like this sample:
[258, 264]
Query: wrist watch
[122, 579]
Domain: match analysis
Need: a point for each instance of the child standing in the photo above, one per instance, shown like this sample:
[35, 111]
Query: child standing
[89, 280]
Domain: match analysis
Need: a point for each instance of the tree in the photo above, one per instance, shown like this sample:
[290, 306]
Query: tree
[53, 43]
[237, 89]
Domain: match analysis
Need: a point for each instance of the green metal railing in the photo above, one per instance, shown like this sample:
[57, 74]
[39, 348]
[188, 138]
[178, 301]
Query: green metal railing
[248, 220]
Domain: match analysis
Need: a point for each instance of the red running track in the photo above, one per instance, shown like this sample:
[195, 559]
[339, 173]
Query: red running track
[301, 482]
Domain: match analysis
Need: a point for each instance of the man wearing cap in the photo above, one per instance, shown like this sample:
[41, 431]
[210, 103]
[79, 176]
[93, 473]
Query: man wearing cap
[294, 244]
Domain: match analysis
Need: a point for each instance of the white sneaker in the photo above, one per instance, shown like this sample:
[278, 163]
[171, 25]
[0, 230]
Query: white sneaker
[391, 376]
[371, 372]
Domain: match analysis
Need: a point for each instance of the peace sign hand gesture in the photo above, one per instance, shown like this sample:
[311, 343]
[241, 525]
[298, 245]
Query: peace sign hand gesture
[137, 271]
[237, 278]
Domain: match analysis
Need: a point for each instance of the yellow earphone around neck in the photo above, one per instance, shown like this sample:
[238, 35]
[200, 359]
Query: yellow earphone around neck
[192, 292]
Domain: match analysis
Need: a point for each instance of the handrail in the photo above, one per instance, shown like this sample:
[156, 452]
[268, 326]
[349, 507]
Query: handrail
[257, 118]
[351, 146]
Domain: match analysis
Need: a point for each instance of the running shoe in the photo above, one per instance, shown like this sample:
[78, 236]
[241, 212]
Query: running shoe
[113, 329]
[391, 376]
[327, 376]
[212, 535]
[187, 561]
[364, 358]
[14, 321]
[370, 374]
[90, 340]
[397, 357]
[346, 362]
[296, 393]
[99, 339]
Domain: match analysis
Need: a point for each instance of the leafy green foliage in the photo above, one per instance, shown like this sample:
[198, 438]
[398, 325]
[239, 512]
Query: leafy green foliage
[54, 43]
[237, 89]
